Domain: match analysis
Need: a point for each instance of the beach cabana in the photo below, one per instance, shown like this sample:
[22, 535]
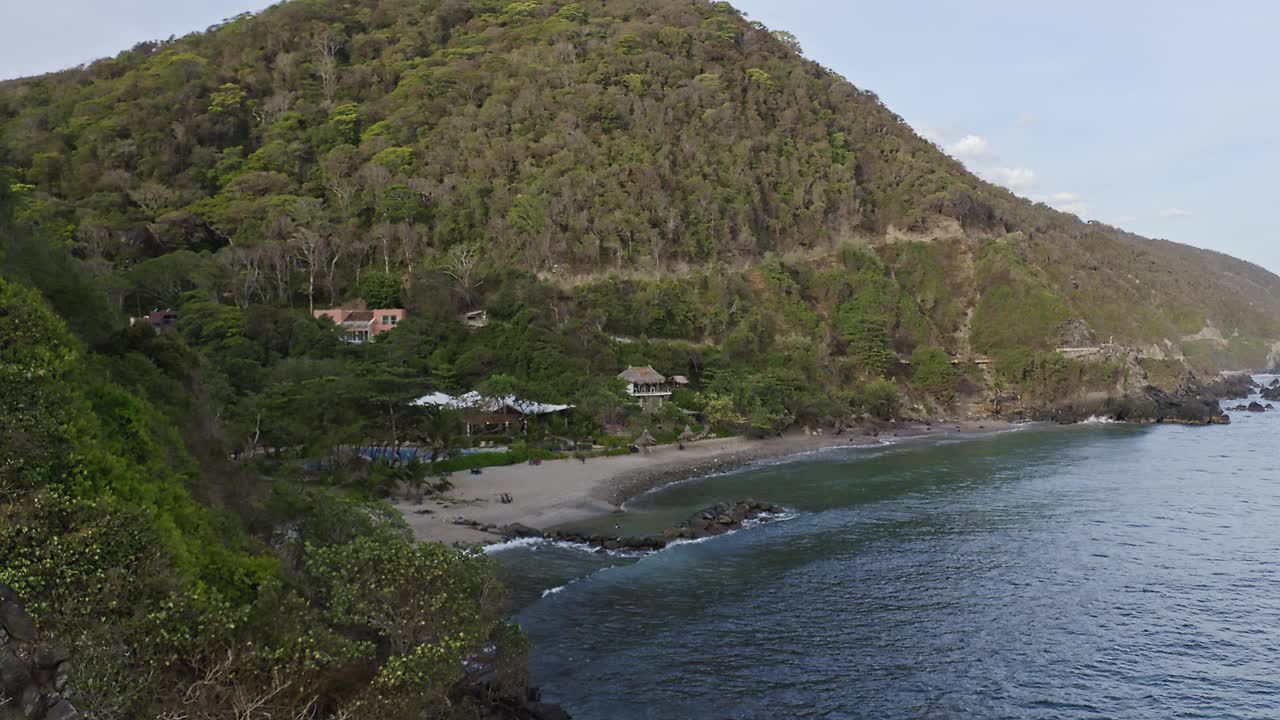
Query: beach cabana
[482, 413]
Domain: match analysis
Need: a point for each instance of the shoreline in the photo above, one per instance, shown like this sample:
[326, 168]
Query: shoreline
[559, 493]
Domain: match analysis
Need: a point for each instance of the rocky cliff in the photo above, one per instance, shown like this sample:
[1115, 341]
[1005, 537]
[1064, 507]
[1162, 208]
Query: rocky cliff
[33, 674]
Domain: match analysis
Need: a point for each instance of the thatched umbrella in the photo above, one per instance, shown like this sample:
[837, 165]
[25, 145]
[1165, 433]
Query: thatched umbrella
[688, 435]
[646, 440]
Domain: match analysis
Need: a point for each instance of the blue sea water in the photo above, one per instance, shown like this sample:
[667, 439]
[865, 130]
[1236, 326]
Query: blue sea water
[1098, 571]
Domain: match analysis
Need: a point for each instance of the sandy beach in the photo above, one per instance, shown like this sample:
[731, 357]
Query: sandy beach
[562, 492]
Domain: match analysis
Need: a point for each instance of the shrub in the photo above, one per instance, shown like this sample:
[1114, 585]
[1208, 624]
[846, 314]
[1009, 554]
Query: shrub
[933, 370]
[878, 397]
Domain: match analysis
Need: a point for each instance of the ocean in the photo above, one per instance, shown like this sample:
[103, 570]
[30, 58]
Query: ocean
[1093, 571]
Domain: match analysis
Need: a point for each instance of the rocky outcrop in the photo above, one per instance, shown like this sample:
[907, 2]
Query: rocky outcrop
[1191, 404]
[1233, 386]
[1271, 393]
[708, 522]
[33, 679]
[1254, 407]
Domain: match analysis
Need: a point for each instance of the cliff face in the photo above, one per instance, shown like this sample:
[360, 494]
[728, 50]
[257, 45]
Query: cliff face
[576, 139]
[33, 674]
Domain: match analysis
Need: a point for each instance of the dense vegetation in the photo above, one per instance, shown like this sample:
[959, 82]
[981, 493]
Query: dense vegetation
[284, 158]
[616, 182]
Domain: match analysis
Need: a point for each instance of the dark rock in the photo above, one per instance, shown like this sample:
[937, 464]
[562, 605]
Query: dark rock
[517, 530]
[14, 674]
[1230, 387]
[33, 676]
[61, 710]
[1191, 404]
[1256, 407]
[16, 620]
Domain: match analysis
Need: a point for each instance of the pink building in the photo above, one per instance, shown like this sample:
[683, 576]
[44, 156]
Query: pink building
[361, 326]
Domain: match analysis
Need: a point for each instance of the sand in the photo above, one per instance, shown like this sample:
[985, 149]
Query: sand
[561, 492]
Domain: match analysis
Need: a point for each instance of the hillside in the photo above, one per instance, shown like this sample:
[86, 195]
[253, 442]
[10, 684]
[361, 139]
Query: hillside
[616, 183]
[635, 137]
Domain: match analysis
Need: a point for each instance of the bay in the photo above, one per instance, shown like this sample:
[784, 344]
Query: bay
[1083, 572]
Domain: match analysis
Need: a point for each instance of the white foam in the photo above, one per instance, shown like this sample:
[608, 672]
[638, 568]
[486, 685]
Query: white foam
[513, 544]
[552, 591]
[1098, 420]
[694, 541]
[761, 519]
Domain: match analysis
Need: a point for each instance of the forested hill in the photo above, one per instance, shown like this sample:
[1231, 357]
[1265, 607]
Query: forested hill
[647, 137]
[615, 183]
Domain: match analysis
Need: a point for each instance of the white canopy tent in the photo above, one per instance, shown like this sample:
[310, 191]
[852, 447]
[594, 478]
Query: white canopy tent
[481, 411]
[475, 401]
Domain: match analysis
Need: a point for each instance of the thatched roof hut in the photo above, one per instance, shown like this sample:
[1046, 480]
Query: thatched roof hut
[642, 376]
[688, 435]
[646, 439]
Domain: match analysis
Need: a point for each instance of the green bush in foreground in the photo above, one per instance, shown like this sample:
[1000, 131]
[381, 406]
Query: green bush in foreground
[172, 609]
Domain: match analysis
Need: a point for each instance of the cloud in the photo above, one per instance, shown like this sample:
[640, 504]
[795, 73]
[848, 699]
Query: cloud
[1014, 178]
[1024, 121]
[971, 146]
[981, 158]
[929, 134]
[1175, 212]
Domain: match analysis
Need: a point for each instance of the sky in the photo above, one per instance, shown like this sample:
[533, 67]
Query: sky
[1158, 117]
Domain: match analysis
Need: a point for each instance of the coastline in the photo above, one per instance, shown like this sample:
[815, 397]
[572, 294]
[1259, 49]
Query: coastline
[559, 493]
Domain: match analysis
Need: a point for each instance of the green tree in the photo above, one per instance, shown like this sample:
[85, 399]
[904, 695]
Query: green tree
[933, 370]
[879, 398]
[432, 606]
[380, 290]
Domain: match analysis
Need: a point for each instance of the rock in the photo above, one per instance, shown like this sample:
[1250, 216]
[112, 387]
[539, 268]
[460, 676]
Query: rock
[16, 620]
[517, 530]
[33, 677]
[1256, 407]
[50, 656]
[63, 710]
[1230, 387]
[1190, 404]
[724, 520]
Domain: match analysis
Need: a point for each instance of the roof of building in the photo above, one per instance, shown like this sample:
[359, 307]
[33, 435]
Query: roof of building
[679, 379]
[642, 376]
[475, 401]
[361, 316]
